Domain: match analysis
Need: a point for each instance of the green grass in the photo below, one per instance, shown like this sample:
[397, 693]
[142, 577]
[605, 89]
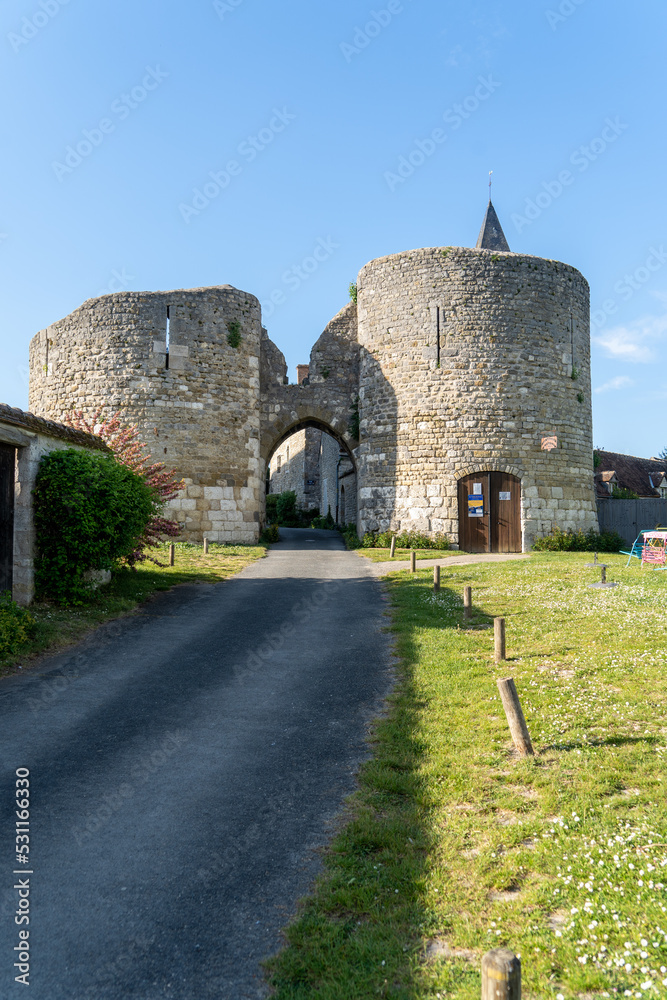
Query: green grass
[403, 555]
[57, 627]
[453, 845]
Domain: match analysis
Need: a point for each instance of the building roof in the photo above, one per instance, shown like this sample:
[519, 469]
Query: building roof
[29, 422]
[641, 475]
[491, 235]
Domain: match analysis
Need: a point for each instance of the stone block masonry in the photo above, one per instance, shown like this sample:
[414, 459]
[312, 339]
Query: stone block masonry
[469, 358]
[454, 362]
[183, 366]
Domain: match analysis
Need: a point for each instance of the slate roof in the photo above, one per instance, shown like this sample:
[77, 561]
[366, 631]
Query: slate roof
[641, 475]
[28, 421]
[491, 235]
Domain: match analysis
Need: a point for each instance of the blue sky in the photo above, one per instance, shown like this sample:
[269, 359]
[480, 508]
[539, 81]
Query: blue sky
[296, 116]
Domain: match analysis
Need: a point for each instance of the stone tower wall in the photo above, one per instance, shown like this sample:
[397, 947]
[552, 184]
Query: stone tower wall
[200, 414]
[478, 396]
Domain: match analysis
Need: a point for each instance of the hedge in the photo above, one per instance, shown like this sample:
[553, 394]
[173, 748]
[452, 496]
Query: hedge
[88, 511]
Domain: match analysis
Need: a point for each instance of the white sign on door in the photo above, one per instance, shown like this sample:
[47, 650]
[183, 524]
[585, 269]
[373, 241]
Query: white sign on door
[504, 496]
[477, 489]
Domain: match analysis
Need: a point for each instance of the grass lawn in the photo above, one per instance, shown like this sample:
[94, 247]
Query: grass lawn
[57, 627]
[402, 555]
[453, 845]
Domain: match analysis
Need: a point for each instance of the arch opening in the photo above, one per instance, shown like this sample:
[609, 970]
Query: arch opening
[316, 463]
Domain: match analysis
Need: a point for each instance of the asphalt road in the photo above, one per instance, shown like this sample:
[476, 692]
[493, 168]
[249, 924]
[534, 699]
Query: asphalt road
[186, 765]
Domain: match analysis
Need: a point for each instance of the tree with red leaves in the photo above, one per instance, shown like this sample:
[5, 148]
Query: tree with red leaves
[123, 440]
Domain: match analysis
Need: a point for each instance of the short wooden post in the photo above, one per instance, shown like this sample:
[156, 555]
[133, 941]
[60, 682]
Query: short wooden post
[501, 975]
[515, 717]
[206, 546]
[413, 561]
[436, 579]
[467, 602]
[392, 547]
[499, 639]
[172, 553]
[604, 574]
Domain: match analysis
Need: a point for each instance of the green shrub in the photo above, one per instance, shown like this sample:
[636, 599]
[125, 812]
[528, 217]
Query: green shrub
[270, 534]
[324, 522]
[579, 541]
[89, 512]
[405, 540]
[272, 507]
[234, 333]
[16, 626]
[286, 509]
[350, 536]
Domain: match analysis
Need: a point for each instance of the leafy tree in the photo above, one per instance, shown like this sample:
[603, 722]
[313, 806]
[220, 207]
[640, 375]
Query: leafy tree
[124, 441]
[89, 511]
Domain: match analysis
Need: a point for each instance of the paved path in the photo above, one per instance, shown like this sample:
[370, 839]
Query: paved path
[186, 765]
[391, 566]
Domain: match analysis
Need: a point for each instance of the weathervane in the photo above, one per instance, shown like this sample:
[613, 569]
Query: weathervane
[490, 172]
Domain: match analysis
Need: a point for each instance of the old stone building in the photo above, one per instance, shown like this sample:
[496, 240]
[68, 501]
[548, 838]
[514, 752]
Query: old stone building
[24, 439]
[457, 388]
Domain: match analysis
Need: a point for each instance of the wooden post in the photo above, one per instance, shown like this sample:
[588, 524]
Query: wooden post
[604, 574]
[467, 602]
[392, 547]
[436, 579]
[515, 718]
[413, 561]
[499, 638]
[206, 546]
[172, 552]
[501, 975]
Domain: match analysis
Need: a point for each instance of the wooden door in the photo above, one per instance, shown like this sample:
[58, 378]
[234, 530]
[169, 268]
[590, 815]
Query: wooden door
[490, 512]
[505, 512]
[474, 516]
[7, 473]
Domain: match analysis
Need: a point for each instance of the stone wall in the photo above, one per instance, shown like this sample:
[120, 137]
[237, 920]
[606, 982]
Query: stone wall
[197, 405]
[455, 361]
[32, 437]
[288, 467]
[467, 362]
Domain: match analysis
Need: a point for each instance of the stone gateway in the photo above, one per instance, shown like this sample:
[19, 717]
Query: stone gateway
[458, 385]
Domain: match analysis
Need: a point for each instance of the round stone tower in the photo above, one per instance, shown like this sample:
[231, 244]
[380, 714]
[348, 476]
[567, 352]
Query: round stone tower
[475, 398]
[183, 366]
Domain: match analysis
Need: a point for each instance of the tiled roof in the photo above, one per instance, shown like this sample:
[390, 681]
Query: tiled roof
[641, 475]
[28, 421]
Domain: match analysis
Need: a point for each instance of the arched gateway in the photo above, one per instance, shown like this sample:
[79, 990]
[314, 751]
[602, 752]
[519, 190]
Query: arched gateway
[456, 370]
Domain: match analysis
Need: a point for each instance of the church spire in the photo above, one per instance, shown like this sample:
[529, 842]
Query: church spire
[491, 235]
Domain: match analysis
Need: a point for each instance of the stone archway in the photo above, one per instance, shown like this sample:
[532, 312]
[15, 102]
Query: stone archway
[311, 459]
